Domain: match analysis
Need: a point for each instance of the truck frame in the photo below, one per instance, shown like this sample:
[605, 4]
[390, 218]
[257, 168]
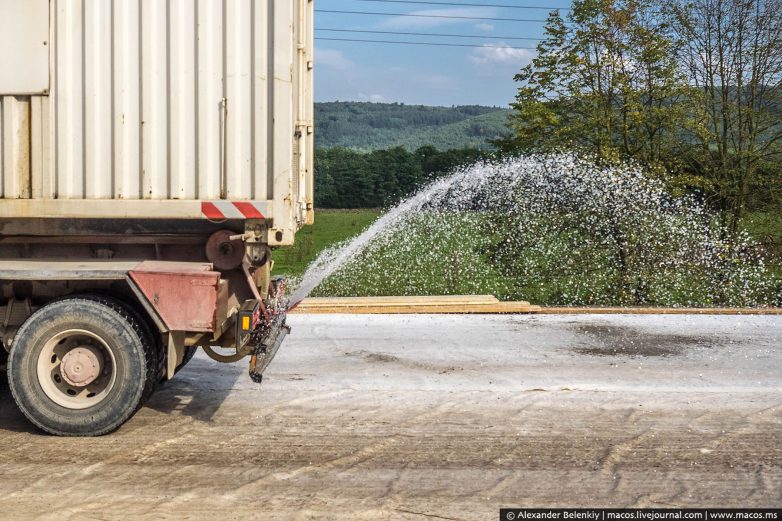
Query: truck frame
[151, 157]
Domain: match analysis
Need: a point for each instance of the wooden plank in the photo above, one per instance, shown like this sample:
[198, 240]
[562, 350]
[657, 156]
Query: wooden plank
[413, 310]
[405, 300]
[459, 304]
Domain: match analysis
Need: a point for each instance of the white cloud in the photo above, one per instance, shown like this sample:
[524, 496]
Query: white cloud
[495, 53]
[414, 22]
[374, 98]
[485, 27]
[333, 58]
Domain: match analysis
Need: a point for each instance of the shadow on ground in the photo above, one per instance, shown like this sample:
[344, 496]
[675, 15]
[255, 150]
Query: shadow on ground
[11, 419]
[198, 390]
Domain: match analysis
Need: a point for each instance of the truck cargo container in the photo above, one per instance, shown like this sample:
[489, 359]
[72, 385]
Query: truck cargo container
[151, 156]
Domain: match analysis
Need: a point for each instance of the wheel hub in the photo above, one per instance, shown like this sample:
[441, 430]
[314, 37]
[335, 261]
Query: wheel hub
[76, 369]
[81, 366]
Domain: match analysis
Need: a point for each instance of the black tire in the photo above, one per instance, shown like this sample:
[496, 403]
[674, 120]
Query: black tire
[152, 346]
[3, 362]
[189, 354]
[123, 338]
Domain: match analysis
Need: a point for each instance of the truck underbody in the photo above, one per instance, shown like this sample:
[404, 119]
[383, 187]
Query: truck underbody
[150, 157]
[180, 285]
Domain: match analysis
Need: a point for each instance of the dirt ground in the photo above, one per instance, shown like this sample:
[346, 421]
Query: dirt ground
[434, 417]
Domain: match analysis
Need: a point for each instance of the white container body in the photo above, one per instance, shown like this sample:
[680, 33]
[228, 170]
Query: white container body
[178, 109]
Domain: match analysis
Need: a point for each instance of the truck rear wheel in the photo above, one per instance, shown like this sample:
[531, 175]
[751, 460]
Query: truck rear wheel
[3, 363]
[80, 367]
[152, 346]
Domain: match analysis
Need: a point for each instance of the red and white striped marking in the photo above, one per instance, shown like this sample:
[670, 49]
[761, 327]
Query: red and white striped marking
[221, 210]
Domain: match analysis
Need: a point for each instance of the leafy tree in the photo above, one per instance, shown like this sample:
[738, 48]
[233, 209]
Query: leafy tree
[605, 81]
[732, 53]
[693, 86]
[351, 179]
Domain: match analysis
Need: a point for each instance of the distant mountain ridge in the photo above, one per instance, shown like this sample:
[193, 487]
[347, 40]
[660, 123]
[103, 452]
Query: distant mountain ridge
[371, 126]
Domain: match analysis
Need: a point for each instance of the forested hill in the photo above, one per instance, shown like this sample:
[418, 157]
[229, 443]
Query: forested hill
[372, 126]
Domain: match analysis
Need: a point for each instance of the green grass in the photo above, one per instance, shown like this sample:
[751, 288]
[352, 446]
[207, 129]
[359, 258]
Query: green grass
[463, 256]
[431, 255]
[331, 227]
[764, 225]
[766, 229]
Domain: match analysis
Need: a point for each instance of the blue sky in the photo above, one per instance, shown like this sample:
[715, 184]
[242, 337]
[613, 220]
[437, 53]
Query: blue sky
[416, 74]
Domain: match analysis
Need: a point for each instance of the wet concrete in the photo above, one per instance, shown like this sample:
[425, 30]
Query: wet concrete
[612, 340]
[408, 417]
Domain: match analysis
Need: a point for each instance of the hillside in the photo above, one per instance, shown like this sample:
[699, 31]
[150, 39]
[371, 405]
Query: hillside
[371, 126]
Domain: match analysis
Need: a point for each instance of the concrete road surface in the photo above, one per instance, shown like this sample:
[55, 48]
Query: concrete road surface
[434, 417]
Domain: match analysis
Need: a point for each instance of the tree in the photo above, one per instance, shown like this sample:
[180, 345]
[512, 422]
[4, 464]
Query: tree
[731, 51]
[350, 179]
[605, 81]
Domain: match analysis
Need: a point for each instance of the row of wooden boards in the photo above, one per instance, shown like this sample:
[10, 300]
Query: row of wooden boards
[392, 305]
[487, 304]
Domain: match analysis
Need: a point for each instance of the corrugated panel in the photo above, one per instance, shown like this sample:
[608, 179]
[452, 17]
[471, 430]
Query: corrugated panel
[170, 100]
[183, 100]
[14, 147]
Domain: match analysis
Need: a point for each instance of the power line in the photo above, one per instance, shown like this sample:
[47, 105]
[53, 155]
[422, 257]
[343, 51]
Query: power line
[439, 44]
[465, 4]
[403, 33]
[431, 16]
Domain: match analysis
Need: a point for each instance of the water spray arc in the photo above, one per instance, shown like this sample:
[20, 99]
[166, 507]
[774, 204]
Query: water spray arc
[552, 229]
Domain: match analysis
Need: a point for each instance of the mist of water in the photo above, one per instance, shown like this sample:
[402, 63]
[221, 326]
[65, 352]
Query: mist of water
[599, 234]
[333, 259]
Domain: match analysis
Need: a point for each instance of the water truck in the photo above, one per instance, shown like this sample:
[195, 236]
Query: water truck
[152, 154]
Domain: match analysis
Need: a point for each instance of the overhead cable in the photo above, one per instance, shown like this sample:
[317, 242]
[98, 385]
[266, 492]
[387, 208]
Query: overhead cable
[445, 35]
[419, 15]
[467, 4]
[439, 44]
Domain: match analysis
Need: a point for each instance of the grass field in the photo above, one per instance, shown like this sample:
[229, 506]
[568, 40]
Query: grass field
[766, 227]
[331, 227]
[456, 258]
